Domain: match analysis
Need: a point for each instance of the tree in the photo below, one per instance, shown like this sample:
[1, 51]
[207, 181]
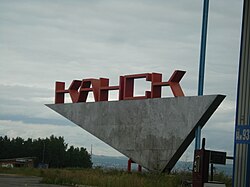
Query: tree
[52, 151]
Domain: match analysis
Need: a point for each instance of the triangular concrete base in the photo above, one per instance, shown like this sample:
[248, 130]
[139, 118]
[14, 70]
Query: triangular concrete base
[152, 132]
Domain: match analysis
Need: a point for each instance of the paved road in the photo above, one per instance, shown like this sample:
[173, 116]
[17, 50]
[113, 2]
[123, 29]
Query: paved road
[22, 181]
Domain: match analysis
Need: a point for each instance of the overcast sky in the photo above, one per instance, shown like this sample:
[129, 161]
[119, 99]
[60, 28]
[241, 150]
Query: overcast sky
[43, 41]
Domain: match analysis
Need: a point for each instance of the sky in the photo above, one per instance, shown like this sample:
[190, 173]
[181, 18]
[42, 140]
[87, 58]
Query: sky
[43, 41]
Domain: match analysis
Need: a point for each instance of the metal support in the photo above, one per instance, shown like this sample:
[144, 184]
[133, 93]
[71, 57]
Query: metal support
[202, 64]
[139, 168]
[130, 161]
[197, 137]
[129, 165]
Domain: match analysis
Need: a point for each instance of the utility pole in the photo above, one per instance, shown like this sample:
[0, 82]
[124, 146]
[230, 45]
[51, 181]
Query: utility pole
[202, 64]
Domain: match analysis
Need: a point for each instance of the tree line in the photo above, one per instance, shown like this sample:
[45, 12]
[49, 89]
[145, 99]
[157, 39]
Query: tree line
[52, 151]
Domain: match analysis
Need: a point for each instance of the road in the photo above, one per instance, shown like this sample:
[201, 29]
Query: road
[7, 180]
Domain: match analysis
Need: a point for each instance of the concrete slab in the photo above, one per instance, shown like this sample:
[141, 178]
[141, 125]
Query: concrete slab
[152, 132]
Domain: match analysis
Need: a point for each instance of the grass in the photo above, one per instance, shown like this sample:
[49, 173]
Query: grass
[111, 178]
[107, 178]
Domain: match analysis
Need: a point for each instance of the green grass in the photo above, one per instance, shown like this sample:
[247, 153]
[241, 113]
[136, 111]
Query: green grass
[111, 178]
[107, 178]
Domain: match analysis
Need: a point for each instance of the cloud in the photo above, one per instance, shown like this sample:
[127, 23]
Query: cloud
[45, 41]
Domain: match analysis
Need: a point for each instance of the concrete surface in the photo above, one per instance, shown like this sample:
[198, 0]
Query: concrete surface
[152, 132]
[8, 180]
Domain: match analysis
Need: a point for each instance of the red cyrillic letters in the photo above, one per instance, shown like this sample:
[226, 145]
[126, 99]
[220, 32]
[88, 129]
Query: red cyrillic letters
[79, 89]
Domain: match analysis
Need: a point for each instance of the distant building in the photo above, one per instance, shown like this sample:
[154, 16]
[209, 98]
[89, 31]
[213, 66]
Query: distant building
[18, 162]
